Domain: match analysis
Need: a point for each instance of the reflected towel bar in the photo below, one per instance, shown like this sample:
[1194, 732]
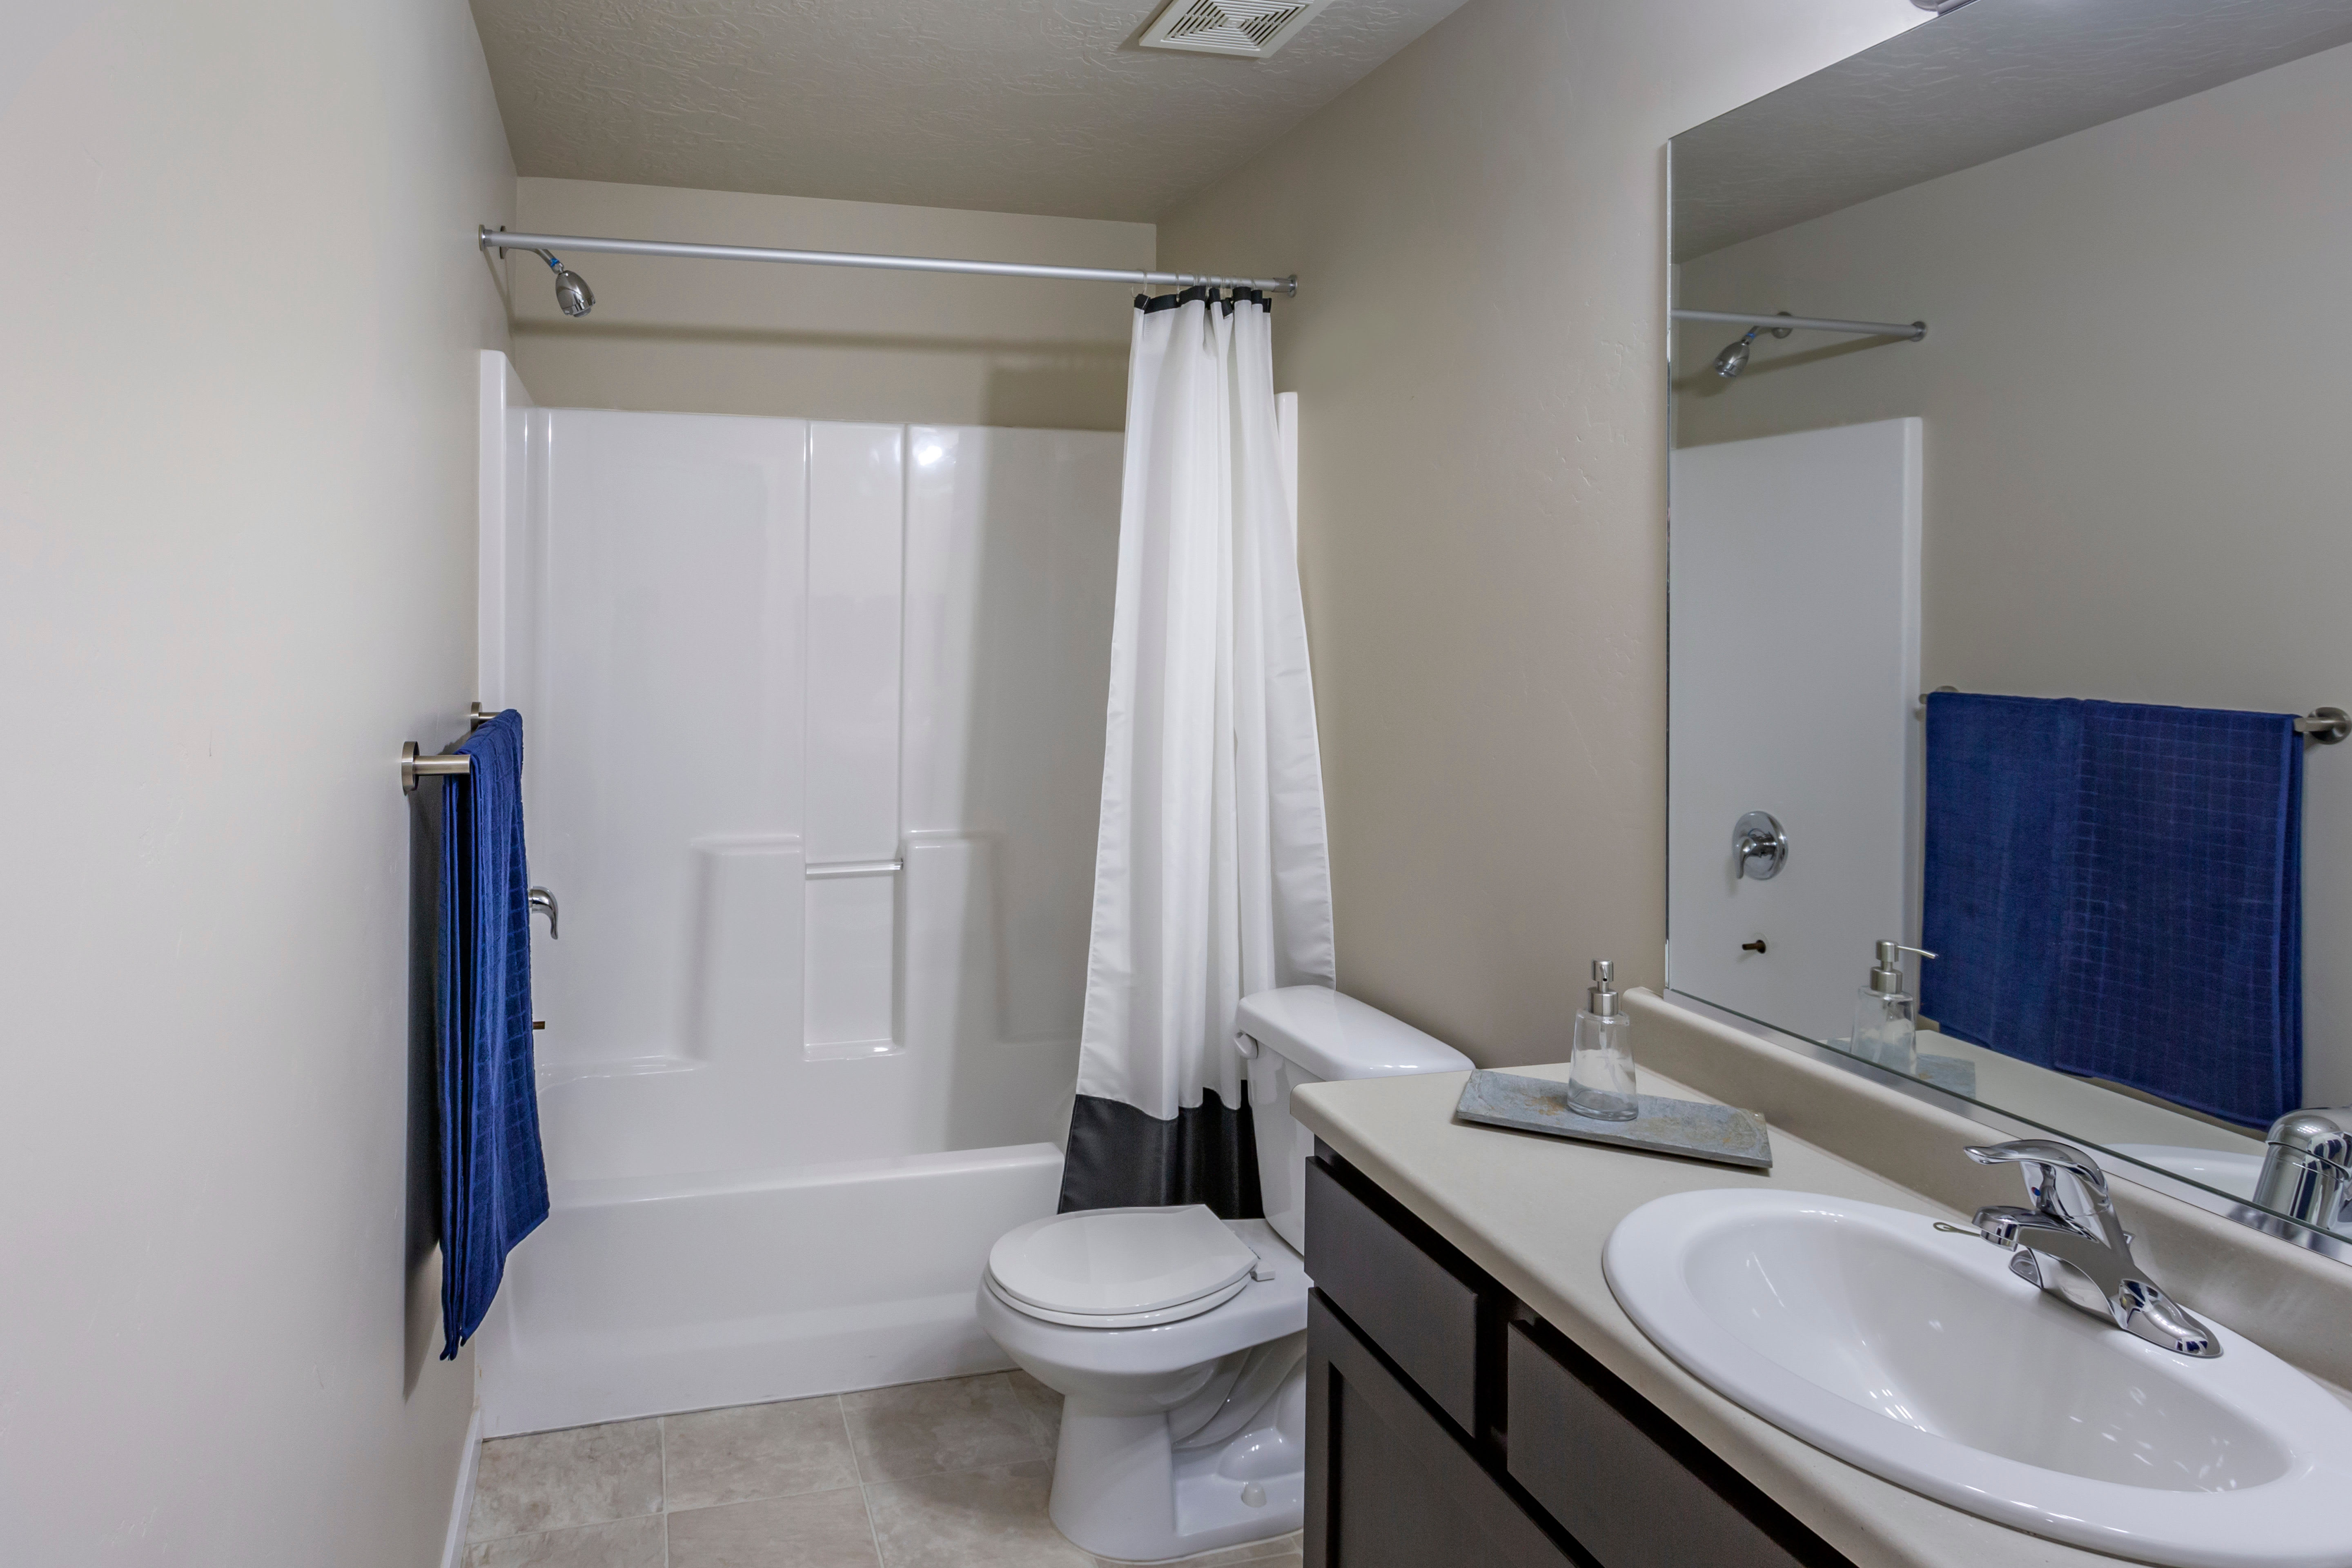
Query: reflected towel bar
[2325, 725]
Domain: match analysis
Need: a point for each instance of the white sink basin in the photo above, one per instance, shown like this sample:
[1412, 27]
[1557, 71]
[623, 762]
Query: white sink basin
[1913, 1354]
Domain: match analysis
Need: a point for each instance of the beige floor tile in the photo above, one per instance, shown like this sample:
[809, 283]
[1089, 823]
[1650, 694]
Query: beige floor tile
[819, 1530]
[631, 1544]
[755, 1451]
[923, 1428]
[1045, 1406]
[972, 1519]
[556, 1480]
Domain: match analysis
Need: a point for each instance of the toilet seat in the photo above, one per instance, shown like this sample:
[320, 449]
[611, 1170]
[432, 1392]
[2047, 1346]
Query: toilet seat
[1120, 1268]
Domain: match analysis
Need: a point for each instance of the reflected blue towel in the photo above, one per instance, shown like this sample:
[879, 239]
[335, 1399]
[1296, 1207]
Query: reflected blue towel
[2116, 893]
[493, 1177]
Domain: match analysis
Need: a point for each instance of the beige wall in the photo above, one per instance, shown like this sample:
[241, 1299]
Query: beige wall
[236, 546]
[827, 342]
[1477, 348]
[2135, 405]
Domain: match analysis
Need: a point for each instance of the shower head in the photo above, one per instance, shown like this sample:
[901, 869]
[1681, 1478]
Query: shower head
[1734, 359]
[572, 295]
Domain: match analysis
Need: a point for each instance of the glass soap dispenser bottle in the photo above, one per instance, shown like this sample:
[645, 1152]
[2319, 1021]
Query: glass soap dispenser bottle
[1885, 1016]
[1600, 1058]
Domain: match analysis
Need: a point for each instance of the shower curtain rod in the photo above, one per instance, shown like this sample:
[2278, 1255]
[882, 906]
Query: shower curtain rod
[1910, 331]
[503, 241]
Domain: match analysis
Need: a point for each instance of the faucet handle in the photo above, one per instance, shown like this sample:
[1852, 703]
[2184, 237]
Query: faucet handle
[2065, 1184]
[2042, 1157]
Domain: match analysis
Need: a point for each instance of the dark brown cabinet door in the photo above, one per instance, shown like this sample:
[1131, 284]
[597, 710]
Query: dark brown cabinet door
[1388, 1486]
[1635, 1490]
[1422, 1317]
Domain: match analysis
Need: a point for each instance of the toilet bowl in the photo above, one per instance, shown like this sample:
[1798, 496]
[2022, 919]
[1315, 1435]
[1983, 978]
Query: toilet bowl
[1179, 1340]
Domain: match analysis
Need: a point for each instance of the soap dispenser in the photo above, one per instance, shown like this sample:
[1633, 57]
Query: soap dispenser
[1600, 1057]
[1886, 1017]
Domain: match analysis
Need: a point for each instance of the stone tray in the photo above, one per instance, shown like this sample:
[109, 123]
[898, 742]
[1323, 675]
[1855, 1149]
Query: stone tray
[1722, 1133]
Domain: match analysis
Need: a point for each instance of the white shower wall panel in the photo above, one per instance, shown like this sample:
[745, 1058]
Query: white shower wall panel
[856, 542]
[1012, 558]
[787, 1109]
[664, 736]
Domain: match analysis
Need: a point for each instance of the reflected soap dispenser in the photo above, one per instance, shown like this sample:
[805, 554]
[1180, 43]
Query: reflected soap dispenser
[1600, 1057]
[1885, 1016]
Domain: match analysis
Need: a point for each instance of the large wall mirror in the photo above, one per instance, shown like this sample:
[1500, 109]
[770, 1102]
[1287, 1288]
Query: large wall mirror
[2012, 571]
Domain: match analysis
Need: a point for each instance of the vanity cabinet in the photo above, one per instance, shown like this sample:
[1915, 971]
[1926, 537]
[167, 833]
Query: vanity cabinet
[1448, 1424]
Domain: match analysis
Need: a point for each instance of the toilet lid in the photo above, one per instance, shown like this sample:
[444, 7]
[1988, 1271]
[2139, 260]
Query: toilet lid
[1119, 1262]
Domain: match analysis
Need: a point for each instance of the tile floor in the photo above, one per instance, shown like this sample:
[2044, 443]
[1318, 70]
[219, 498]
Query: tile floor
[928, 1475]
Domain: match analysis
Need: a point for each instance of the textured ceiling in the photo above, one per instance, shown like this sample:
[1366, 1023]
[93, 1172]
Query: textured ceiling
[1993, 78]
[1030, 106]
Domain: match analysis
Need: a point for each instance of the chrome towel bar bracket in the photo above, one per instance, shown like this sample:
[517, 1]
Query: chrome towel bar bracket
[2324, 725]
[414, 766]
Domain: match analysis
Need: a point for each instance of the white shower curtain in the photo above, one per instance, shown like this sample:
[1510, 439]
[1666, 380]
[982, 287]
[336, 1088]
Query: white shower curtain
[1211, 878]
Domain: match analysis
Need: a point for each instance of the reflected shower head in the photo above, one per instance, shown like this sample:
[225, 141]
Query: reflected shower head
[1734, 360]
[572, 295]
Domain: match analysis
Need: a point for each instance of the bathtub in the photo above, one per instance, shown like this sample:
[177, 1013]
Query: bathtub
[643, 1295]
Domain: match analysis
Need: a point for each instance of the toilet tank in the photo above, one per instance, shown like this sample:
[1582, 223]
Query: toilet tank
[1307, 1033]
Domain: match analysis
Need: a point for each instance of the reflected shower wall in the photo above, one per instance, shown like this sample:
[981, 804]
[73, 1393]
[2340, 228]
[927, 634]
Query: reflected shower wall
[815, 717]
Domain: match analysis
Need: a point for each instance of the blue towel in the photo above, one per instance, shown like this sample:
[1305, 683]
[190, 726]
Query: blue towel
[2116, 893]
[493, 1176]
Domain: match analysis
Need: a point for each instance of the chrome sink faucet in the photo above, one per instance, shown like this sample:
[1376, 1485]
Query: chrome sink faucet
[2307, 1168]
[2071, 1244]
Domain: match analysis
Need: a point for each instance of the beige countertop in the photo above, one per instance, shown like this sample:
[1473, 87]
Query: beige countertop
[1534, 1212]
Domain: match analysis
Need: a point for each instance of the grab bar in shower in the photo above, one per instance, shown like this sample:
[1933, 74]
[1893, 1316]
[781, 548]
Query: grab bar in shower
[828, 869]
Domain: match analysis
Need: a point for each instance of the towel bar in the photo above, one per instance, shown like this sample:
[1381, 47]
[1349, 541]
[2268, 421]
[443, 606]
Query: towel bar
[413, 767]
[2325, 725]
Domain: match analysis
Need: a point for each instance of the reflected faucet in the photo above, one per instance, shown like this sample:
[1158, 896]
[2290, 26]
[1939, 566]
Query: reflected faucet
[542, 903]
[2071, 1244]
[2307, 1170]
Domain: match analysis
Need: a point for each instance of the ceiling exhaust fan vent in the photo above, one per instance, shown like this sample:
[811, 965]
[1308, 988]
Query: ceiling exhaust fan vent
[1252, 30]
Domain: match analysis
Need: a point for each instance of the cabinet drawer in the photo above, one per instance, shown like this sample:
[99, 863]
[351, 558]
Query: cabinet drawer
[1635, 1490]
[1404, 1300]
[1387, 1485]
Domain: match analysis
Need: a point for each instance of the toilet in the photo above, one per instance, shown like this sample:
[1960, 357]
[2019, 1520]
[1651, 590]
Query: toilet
[1179, 1340]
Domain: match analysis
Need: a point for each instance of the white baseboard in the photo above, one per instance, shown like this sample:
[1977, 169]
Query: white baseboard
[461, 1507]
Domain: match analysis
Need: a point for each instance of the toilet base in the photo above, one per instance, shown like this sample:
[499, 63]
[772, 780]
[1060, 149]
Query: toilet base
[1122, 1489]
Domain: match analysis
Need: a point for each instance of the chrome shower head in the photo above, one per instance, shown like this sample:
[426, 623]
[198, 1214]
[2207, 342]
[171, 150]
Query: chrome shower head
[572, 295]
[1734, 360]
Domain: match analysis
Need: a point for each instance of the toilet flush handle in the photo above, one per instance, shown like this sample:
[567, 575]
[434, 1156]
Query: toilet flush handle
[1246, 1045]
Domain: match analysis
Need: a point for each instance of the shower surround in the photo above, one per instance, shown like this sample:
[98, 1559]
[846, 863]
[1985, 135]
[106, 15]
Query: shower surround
[815, 729]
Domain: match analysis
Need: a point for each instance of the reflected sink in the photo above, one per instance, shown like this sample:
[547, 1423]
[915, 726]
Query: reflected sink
[1911, 1351]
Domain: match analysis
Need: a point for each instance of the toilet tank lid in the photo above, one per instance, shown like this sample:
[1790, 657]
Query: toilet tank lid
[1334, 1037]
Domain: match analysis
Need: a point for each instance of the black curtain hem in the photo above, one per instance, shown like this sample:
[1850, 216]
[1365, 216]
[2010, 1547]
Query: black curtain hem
[1120, 1158]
